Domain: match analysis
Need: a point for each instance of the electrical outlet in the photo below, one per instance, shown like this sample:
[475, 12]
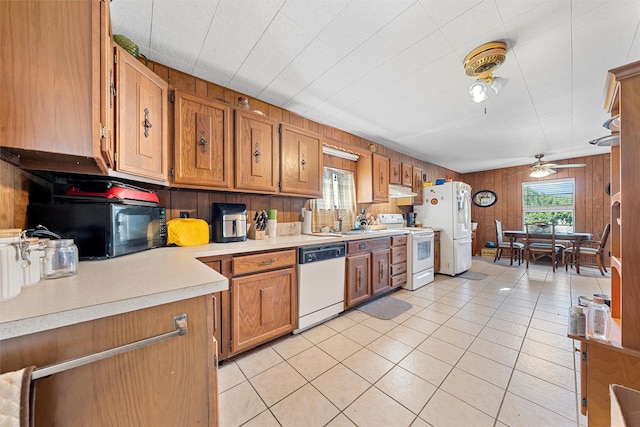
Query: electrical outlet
[184, 214]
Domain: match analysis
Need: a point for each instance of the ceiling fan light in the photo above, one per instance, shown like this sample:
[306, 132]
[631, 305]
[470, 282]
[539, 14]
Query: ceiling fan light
[541, 173]
[498, 83]
[478, 91]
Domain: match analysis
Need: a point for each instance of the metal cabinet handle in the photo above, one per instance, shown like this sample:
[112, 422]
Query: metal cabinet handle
[203, 142]
[359, 280]
[303, 163]
[146, 123]
[179, 329]
[381, 271]
[268, 261]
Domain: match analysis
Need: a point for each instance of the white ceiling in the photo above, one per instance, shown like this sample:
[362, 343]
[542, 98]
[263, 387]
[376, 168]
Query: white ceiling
[391, 71]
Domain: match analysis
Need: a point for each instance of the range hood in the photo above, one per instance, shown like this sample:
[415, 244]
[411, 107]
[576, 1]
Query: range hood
[398, 192]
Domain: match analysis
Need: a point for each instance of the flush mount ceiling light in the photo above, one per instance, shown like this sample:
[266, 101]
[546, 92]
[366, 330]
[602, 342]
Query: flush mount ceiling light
[480, 63]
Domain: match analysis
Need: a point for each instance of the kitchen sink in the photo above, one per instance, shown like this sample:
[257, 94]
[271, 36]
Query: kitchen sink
[356, 232]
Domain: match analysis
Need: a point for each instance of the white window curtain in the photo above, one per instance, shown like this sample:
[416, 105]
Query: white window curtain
[338, 200]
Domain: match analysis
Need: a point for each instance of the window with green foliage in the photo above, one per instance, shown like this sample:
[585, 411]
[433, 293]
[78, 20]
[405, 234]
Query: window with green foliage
[550, 201]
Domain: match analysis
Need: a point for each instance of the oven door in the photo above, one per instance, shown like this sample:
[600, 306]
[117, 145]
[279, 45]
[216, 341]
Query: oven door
[422, 251]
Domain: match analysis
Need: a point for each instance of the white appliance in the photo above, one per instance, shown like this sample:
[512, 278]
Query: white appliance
[419, 251]
[320, 283]
[448, 206]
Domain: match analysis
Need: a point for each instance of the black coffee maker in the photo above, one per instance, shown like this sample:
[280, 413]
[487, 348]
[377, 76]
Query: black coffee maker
[411, 219]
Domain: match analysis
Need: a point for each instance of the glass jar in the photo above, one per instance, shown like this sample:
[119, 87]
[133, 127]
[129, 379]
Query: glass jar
[598, 319]
[60, 259]
[10, 264]
[31, 272]
[577, 321]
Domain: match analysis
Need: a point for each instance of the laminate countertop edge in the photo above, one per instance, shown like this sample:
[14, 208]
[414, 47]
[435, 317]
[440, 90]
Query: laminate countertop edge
[133, 282]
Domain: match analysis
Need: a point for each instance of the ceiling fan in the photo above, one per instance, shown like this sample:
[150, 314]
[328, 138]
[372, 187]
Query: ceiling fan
[540, 170]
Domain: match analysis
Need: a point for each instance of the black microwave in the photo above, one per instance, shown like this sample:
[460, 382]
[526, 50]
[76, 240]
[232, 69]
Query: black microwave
[103, 229]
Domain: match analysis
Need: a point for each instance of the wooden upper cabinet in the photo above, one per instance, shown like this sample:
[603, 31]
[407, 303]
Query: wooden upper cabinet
[372, 184]
[407, 174]
[300, 162]
[141, 123]
[202, 144]
[380, 178]
[55, 91]
[417, 186]
[256, 153]
[395, 172]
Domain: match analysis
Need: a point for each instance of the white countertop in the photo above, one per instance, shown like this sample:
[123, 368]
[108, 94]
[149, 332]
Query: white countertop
[133, 282]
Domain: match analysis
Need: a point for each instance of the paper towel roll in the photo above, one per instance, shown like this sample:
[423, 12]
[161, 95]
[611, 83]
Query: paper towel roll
[306, 222]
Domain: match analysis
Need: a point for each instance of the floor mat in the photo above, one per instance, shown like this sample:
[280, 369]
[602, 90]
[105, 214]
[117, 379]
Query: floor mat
[473, 275]
[385, 308]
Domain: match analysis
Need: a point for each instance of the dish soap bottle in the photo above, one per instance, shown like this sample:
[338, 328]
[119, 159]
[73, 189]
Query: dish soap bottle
[598, 319]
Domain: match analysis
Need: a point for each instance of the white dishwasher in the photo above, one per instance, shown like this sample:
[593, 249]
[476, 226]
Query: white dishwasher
[320, 283]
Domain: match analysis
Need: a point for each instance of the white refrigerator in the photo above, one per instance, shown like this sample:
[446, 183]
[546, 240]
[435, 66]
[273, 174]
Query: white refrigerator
[448, 207]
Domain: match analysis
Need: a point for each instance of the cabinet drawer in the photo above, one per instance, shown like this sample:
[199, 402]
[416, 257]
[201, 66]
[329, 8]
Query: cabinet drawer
[398, 268]
[398, 254]
[399, 240]
[368, 245]
[264, 261]
[398, 280]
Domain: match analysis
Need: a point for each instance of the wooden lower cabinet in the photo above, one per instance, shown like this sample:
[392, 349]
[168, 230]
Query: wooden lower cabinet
[380, 272]
[367, 269]
[169, 383]
[263, 306]
[358, 273]
[398, 270]
[261, 303]
[436, 252]
[604, 366]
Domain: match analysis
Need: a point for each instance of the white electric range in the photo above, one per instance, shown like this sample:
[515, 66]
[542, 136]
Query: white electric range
[419, 251]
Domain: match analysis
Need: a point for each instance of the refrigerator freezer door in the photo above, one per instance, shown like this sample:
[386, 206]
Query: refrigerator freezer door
[461, 210]
[462, 255]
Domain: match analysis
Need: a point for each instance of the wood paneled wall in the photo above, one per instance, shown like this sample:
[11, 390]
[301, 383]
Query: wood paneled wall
[592, 210]
[16, 186]
[198, 203]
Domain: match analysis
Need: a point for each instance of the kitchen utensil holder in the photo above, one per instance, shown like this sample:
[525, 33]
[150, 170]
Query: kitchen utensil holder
[255, 234]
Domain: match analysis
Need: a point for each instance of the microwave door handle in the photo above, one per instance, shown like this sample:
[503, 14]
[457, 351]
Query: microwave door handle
[233, 228]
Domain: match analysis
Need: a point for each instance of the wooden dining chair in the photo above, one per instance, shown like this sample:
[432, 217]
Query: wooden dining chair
[536, 248]
[597, 252]
[516, 250]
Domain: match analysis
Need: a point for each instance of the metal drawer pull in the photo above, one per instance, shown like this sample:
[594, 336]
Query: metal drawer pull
[180, 329]
[268, 261]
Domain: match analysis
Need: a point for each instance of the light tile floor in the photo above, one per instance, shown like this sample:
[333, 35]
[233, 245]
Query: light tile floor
[488, 352]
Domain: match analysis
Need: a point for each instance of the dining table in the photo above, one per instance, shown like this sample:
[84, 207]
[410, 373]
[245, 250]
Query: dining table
[576, 239]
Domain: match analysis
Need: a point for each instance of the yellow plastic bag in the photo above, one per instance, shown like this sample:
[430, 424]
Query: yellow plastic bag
[187, 232]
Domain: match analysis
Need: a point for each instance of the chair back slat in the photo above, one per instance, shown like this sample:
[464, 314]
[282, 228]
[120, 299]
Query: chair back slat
[499, 237]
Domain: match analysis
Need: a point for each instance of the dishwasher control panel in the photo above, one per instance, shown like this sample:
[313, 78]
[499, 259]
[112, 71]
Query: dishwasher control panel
[308, 254]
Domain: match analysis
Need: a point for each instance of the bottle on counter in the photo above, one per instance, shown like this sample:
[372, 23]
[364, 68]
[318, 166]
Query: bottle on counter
[577, 321]
[598, 319]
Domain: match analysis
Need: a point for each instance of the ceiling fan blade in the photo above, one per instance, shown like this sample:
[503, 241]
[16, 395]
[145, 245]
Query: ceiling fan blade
[572, 165]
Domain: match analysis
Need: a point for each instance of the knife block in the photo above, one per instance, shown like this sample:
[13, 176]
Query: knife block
[255, 234]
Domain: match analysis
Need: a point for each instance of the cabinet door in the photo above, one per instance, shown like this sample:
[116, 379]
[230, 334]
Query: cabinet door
[256, 162]
[264, 306]
[202, 146]
[407, 174]
[358, 278]
[170, 383]
[395, 172]
[107, 87]
[53, 92]
[141, 135]
[380, 178]
[300, 162]
[417, 186]
[380, 272]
